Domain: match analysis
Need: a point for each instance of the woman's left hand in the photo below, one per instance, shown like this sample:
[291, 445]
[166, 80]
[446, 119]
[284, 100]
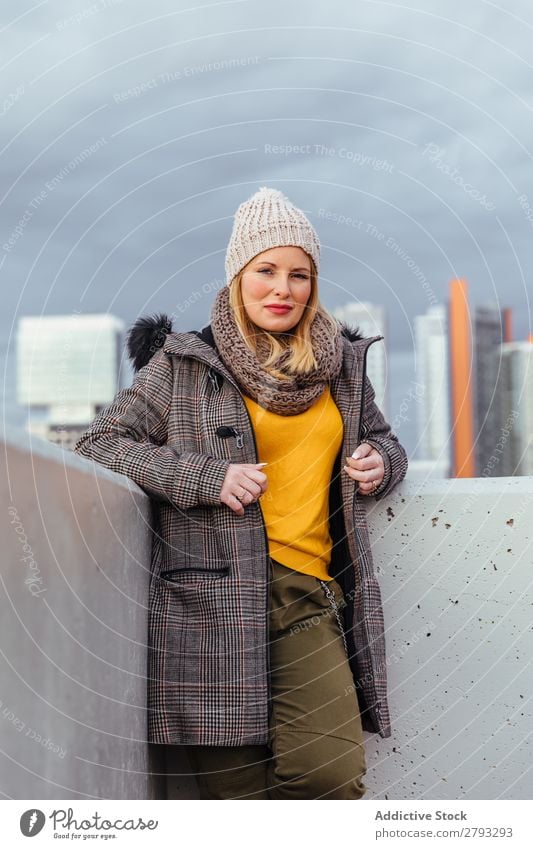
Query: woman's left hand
[366, 467]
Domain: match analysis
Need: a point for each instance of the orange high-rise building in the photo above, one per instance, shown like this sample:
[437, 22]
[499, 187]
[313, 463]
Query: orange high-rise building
[507, 329]
[461, 381]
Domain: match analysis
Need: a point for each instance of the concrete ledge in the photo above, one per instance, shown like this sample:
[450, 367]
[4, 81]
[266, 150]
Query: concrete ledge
[73, 627]
[454, 559]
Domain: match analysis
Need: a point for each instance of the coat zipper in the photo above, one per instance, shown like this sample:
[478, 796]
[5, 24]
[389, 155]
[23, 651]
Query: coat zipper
[361, 429]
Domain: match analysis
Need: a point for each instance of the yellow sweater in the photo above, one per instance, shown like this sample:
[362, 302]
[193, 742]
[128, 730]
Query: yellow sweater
[300, 451]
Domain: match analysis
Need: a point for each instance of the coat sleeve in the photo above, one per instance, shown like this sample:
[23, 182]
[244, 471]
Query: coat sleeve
[378, 433]
[129, 437]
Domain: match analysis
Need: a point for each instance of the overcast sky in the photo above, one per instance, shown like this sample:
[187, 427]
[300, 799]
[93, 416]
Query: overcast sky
[130, 133]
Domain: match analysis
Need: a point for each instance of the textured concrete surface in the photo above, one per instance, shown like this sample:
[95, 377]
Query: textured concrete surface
[73, 628]
[454, 560]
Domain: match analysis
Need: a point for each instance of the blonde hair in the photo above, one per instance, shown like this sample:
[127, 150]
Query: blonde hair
[302, 359]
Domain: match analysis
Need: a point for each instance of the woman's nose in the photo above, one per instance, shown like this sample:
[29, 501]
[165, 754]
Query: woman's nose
[282, 286]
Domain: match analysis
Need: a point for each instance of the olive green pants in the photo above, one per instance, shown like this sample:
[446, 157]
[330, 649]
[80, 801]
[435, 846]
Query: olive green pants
[316, 748]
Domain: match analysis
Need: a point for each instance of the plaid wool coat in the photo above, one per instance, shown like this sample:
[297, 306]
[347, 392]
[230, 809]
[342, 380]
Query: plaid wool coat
[174, 432]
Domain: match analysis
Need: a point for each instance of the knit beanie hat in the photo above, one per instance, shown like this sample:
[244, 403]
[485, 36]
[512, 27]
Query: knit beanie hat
[268, 220]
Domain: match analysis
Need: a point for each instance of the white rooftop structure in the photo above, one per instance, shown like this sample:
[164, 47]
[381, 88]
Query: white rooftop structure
[68, 366]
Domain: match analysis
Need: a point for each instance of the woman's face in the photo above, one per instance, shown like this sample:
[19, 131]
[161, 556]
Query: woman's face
[279, 277]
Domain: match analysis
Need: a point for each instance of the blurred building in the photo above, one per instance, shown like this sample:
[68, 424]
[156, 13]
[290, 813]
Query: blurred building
[512, 452]
[370, 319]
[68, 368]
[492, 327]
[433, 401]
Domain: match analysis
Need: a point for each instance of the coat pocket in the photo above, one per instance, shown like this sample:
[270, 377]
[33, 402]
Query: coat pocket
[193, 574]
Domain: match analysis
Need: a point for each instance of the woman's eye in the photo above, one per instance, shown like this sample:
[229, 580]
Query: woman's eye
[301, 276]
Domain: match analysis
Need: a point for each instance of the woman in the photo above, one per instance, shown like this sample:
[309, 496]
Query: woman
[266, 638]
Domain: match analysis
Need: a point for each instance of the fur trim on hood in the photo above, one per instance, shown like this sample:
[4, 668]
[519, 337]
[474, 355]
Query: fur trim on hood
[148, 333]
[145, 336]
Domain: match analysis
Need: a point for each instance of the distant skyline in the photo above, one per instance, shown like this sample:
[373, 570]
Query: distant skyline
[131, 133]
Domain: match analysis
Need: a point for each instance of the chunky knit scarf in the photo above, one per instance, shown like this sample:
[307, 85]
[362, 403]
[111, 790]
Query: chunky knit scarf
[288, 396]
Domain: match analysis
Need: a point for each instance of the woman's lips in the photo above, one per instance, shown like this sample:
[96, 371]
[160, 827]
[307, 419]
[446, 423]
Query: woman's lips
[281, 310]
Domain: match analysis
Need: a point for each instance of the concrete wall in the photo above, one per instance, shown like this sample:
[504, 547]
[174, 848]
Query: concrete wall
[73, 628]
[454, 560]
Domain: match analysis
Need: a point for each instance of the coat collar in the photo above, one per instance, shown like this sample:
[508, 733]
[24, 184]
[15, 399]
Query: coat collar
[149, 333]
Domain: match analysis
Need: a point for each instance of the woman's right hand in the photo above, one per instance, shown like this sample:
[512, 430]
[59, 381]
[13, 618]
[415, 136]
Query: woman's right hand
[243, 484]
